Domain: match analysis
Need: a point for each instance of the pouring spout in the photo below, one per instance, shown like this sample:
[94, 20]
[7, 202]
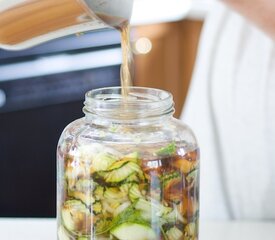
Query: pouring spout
[113, 12]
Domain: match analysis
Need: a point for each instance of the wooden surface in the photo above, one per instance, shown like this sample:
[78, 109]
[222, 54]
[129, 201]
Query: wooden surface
[169, 65]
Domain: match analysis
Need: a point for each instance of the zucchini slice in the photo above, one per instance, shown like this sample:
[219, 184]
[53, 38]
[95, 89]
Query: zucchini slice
[190, 231]
[98, 192]
[133, 231]
[132, 157]
[120, 174]
[114, 193]
[151, 210]
[76, 217]
[97, 207]
[134, 192]
[83, 185]
[131, 179]
[102, 161]
[83, 197]
[121, 208]
[174, 234]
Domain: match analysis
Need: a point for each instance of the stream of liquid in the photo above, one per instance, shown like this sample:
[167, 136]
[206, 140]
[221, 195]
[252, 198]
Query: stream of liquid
[126, 74]
[127, 67]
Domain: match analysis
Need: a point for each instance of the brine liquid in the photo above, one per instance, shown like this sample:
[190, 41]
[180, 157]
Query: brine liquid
[127, 59]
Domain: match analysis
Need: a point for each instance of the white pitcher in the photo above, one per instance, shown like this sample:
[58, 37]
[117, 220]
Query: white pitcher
[25, 23]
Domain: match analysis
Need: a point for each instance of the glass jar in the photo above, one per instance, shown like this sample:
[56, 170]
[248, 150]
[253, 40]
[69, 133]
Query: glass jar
[128, 170]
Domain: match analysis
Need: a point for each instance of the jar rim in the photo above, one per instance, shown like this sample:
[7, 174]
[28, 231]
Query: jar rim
[141, 102]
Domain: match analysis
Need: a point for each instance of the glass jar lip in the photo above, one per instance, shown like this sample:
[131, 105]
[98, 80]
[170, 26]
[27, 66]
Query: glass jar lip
[141, 102]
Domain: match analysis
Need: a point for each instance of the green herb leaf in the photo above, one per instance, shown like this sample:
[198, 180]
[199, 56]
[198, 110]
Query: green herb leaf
[170, 149]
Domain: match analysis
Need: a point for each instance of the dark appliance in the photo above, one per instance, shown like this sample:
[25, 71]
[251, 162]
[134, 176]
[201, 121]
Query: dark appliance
[42, 90]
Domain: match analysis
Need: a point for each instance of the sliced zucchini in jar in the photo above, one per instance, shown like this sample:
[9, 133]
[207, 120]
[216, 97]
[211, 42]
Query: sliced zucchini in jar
[151, 209]
[120, 174]
[174, 216]
[134, 157]
[125, 187]
[102, 225]
[98, 192]
[134, 192]
[73, 173]
[114, 193]
[173, 184]
[121, 208]
[76, 217]
[87, 153]
[190, 231]
[97, 208]
[133, 178]
[133, 231]
[174, 234]
[84, 185]
[83, 197]
[102, 161]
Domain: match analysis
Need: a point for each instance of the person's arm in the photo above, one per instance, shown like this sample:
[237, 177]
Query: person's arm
[261, 12]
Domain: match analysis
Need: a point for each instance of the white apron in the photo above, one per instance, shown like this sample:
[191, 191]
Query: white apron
[231, 108]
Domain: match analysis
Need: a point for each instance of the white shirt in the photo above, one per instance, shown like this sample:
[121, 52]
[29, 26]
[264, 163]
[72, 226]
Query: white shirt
[231, 108]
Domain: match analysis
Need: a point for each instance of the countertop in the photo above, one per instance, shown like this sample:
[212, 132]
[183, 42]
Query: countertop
[45, 229]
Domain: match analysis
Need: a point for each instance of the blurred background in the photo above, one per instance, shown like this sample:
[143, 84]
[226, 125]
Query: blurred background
[42, 90]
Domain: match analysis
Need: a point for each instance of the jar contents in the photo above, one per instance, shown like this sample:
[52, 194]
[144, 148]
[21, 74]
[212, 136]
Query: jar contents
[147, 194]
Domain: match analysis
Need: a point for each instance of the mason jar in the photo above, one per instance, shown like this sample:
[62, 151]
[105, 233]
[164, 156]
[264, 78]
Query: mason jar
[128, 170]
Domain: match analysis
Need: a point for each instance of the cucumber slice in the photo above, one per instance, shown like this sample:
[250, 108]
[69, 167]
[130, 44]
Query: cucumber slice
[120, 174]
[174, 234]
[133, 231]
[76, 217]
